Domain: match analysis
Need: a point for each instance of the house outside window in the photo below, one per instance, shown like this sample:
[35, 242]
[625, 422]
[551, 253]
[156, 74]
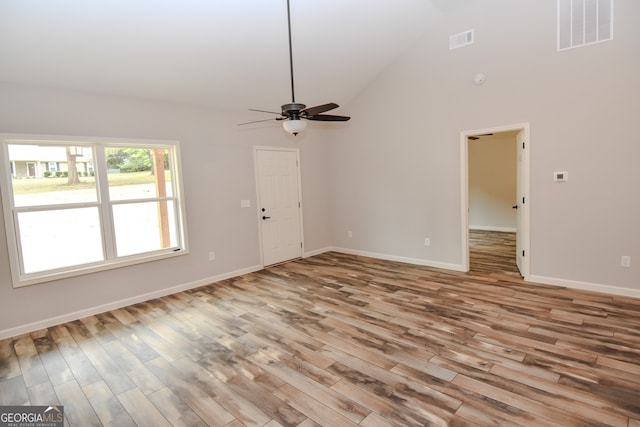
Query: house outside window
[128, 210]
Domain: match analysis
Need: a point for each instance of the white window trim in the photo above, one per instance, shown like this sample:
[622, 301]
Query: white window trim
[571, 45]
[21, 279]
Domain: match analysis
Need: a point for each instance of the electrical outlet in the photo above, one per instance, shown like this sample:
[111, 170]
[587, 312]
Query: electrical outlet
[625, 261]
[349, 234]
[212, 256]
[427, 241]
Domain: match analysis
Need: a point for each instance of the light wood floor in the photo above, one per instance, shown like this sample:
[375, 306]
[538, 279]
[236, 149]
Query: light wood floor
[339, 340]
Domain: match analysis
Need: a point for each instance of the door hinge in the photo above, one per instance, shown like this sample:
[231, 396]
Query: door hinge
[300, 245]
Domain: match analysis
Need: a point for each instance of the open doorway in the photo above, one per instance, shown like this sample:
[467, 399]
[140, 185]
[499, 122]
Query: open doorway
[495, 202]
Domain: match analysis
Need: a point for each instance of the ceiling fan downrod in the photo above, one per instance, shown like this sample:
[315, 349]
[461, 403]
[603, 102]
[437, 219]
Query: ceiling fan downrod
[293, 95]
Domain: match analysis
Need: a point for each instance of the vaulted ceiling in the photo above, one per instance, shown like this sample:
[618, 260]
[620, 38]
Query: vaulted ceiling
[230, 54]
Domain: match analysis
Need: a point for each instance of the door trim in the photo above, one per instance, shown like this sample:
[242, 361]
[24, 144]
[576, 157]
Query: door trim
[257, 148]
[464, 191]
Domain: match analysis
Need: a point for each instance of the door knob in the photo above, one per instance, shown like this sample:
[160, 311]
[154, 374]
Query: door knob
[265, 217]
[514, 207]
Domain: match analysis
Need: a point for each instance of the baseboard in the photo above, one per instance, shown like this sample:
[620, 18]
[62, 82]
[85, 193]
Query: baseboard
[68, 317]
[316, 252]
[491, 228]
[387, 257]
[585, 286]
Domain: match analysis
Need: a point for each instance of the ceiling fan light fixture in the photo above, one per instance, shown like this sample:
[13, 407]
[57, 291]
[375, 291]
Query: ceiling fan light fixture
[294, 126]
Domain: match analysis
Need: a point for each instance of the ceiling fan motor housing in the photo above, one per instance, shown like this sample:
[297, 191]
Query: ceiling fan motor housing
[292, 109]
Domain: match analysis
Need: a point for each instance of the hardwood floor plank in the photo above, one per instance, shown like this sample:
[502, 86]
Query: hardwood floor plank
[141, 409]
[107, 368]
[43, 394]
[54, 363]
[234, 403]
[31, 366]
[338, 339]
[544, 414]
[106, 405]
[564, 398]
[9, 366]
[375, 420]
[13, 391]
[483, 416]
[312, 408]
[81, 367]
[321, 391]
[203, 404]
[423, 404]
[174, 409]
[77, 409]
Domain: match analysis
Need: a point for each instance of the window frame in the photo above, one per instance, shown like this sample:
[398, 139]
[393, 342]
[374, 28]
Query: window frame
[569, 20]
[103, 203]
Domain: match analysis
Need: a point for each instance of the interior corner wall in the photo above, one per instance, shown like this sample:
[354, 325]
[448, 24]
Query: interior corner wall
[395, 172]
[492, 182]
[218, 172]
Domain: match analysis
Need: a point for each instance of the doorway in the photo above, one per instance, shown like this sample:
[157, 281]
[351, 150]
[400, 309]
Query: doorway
[279, 204]
[521, 204]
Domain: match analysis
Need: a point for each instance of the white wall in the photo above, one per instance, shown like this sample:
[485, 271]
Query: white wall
[492, 182]
[396, 170]
[218, 171]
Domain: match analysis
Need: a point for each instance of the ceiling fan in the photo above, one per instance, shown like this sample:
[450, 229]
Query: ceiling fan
[293, 113]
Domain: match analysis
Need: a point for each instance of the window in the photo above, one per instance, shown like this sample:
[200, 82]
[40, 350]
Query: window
[103, 204]
[584, 22]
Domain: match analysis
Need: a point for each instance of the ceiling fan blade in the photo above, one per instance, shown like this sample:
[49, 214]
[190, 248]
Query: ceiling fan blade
[264, 111]
[259, 121]
[312, 111]
[328, 118]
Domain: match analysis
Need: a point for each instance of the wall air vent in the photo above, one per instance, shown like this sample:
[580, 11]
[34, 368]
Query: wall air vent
[461, 39]
[584, 22]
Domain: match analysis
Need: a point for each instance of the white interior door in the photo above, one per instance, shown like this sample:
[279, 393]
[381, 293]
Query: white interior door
[279, 204]
[520, 194]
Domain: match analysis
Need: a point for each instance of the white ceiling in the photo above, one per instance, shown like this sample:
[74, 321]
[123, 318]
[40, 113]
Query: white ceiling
[230, 54]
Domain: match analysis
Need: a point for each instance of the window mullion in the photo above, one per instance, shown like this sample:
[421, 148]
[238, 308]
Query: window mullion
[176, 185]
[106, 214]
[68, 206]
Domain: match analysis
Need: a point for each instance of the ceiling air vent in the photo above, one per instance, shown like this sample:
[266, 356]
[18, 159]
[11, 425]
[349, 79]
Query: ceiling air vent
[461, 39]
[584, 22]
